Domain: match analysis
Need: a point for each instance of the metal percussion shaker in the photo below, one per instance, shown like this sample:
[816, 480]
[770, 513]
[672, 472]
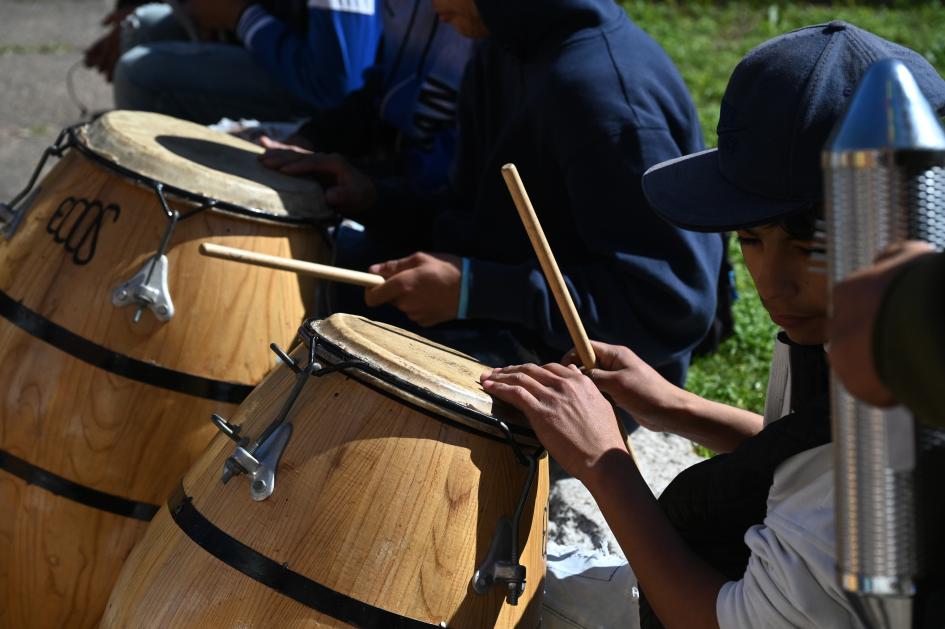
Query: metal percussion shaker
[884, 170]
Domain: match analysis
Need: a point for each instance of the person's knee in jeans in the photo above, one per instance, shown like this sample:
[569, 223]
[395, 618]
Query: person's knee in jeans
[150, 23]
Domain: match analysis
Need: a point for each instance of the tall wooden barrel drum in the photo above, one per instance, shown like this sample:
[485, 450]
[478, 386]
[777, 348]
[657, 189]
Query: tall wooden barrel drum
[367, 482]
[101, 414]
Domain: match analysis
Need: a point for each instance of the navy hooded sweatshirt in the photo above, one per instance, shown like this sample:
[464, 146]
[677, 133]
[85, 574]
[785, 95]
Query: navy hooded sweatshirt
[583, 102]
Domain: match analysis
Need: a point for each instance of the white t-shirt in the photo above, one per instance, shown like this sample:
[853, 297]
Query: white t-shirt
[791, 580]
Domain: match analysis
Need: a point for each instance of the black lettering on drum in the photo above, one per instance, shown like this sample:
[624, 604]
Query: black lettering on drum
[76, 224]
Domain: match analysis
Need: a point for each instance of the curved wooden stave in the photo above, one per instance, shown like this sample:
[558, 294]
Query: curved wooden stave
[103, 430]
[426, 498]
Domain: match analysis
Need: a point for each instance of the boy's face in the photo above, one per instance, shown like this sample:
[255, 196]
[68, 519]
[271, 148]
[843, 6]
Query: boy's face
[794, 295]
[462, 15]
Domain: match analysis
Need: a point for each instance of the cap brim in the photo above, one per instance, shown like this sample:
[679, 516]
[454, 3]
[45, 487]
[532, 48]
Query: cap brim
[691, 193]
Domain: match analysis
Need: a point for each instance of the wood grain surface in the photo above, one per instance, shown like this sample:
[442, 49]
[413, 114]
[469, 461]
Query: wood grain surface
[373, 499]
[58, 559]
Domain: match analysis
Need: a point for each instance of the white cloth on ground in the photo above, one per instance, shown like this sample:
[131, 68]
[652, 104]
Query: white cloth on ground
[589, 590]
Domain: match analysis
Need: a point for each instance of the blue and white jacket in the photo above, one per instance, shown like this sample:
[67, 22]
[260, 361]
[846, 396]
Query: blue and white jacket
[325, 59]
[406, 111]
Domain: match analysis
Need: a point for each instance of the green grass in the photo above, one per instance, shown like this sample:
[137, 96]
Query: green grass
[706, 40]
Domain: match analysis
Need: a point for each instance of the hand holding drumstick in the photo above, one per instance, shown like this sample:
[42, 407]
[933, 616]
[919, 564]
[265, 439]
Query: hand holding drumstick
[321, 271]
[567, 411]
[424, 286]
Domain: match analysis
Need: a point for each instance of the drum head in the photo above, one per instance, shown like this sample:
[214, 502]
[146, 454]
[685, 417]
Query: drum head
[443, 373]
[201, 162]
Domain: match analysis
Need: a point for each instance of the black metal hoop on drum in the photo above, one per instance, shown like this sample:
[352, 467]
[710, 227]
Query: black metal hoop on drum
[68, 138]
[147, 289]
[501, 565]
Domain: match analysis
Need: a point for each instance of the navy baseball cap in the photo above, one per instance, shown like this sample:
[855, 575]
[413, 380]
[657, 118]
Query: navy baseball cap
[779, 109]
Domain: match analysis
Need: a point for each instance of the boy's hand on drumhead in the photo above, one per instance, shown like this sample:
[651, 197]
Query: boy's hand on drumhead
[424, 286]
[632, 384]
[566, 410]
[856, 303]
[347, 189]
[295, 144]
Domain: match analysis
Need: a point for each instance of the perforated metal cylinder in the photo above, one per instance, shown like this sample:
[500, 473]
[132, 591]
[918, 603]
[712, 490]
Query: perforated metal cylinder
[885, 182]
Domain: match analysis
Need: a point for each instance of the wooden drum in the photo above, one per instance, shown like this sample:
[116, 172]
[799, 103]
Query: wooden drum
[100, 415]
[393, 479]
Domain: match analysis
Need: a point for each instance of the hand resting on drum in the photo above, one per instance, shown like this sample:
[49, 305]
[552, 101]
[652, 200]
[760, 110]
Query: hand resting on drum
[659, 405]
[424, 286]
[347, 190]
[568, 413]
[296, 144]
[577, 426]
[633, 385]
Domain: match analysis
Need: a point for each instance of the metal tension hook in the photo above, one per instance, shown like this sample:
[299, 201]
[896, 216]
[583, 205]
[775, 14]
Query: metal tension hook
[500, 565]
[148, 288]
[262, 463]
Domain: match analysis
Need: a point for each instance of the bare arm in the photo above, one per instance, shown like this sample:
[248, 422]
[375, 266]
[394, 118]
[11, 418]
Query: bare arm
[659, 405]
[578, 427]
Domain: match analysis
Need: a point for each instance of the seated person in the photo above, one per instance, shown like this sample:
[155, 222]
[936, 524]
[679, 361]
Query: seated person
[582, 101]
[401, 125]
[291, 59]
[745, 539]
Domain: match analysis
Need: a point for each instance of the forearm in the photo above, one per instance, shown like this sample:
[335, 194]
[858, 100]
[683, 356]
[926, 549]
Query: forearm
[717, 426]
[681, 587]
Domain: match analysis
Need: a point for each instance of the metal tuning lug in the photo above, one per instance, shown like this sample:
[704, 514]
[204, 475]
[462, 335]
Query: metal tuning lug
[11, 217]
[500, 566]
[7, 215]
[232, 431]
[261, 464]
[285, 358]
[147, 289]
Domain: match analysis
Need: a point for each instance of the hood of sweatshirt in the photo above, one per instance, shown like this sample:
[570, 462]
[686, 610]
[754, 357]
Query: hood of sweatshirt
[524, 25]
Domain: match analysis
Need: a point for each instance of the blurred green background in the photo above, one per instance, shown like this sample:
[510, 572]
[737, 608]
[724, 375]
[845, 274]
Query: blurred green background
[706, 40]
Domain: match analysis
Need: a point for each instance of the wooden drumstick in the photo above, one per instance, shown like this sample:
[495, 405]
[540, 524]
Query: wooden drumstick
[549, 267]
[322, 271]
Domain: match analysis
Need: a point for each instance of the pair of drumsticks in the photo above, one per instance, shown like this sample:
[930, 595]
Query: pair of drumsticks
[536, 235]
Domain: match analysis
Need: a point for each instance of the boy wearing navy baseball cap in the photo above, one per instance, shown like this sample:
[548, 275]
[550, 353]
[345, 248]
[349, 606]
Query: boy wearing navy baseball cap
[744, 539]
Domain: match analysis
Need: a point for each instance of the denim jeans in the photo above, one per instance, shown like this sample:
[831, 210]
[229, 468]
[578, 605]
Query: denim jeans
[161, 70]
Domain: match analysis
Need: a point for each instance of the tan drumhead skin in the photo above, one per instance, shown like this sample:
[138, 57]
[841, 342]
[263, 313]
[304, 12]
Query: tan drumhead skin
[196, 159]
[441, 370]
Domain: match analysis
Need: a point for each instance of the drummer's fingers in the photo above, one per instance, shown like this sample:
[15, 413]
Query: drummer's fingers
[393, 267]
[331, 163]
[539, 374]
[532, 382]
[268, 143]
[391, 290]
[570, 357]
[565, 372]
[277, 158]
[519, 397]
